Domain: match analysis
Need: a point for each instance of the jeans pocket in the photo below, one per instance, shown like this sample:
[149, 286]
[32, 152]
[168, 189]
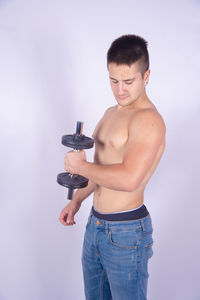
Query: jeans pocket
[124, 239]
[149, 250]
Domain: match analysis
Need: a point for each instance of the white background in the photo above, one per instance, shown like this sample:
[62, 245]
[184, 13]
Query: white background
[53, 73]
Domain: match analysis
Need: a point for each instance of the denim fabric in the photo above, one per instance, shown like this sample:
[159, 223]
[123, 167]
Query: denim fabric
[115, 259]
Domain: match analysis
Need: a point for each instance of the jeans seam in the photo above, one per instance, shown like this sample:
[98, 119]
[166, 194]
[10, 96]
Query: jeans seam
[102, 284]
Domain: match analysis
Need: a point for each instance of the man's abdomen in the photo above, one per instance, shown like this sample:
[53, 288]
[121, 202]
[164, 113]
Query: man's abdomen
[106, 200]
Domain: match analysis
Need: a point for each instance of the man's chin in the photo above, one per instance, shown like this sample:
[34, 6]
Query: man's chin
[125, 103]
[122, 104]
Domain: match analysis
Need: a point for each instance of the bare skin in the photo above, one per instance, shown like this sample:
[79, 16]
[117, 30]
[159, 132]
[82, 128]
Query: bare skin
[129, 143]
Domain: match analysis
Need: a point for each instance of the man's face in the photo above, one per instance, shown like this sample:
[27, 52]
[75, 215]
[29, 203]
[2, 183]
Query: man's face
[127, 83]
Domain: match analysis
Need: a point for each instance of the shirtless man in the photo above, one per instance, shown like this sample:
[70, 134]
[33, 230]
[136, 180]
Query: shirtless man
[129, 143]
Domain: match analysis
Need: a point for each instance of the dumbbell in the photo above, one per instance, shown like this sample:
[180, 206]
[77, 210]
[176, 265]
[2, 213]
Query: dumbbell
[77, 141]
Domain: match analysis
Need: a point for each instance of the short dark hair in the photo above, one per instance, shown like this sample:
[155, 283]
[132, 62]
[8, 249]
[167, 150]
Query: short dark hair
[127, 50]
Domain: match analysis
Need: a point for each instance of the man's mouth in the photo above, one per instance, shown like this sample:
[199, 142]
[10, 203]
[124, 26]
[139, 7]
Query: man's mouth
[122, 97]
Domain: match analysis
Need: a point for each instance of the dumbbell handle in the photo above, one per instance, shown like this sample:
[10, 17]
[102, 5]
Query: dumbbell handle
[79, 128]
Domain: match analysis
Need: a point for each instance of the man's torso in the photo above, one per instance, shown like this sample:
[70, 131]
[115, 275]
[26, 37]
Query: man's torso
[110, 137]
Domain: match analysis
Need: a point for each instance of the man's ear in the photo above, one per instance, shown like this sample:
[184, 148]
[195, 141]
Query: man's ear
[146, 75]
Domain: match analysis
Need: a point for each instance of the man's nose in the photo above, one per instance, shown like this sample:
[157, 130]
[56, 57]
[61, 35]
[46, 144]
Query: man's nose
[121, 88]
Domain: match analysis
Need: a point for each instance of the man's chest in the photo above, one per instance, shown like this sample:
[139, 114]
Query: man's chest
[112, 131]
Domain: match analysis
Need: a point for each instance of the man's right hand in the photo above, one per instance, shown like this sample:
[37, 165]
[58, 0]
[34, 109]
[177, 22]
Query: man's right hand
[68, 212]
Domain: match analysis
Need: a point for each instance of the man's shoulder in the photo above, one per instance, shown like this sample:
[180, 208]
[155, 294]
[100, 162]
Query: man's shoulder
[148, 121]
[110, 109]
[147, 115]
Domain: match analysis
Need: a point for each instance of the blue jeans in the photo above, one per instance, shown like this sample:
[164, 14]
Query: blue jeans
[115, 258]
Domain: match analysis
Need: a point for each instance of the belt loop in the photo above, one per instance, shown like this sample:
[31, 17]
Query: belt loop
[106, 227]
[89, 219]
[142, 224]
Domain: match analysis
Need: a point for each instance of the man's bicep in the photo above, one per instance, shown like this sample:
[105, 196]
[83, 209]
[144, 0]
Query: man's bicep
[141, 150]
[141, 154]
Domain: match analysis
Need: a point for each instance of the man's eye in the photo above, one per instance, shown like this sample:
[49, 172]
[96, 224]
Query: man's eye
[115, 82]
[129, 82]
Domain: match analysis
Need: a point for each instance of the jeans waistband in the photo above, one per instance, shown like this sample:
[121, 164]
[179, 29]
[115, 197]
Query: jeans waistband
[136, 214]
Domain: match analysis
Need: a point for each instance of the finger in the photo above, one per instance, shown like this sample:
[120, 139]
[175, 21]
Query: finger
[62, 220]
[70, 218]
[67, 218]
[63, 216]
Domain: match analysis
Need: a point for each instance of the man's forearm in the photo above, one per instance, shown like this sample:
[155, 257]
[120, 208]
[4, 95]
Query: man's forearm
[113, 176]
[81, 194]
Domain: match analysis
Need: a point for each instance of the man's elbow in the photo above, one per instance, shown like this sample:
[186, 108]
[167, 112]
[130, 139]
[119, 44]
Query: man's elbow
[130, 185]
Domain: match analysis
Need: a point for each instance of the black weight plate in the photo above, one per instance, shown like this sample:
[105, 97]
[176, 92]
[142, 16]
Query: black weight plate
[72, 181]
[77, 141]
